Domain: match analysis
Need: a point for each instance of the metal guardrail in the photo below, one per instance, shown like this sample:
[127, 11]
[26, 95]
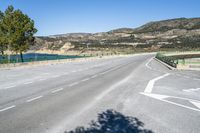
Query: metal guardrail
[167, 59]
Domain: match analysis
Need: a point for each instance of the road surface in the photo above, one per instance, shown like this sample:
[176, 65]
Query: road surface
[58, 98]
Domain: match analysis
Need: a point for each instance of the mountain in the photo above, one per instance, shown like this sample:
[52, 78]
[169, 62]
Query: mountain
[172, 34]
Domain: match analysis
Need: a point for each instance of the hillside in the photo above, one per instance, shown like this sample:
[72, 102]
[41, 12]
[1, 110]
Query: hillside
[181, 33]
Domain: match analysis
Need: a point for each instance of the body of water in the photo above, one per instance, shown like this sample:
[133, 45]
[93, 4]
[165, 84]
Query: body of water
[35, 57]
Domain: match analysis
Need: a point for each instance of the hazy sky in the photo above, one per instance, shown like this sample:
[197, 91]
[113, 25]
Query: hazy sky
[64, 16]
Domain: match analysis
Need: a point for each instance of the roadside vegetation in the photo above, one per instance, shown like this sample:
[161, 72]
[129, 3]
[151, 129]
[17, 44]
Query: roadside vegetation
[16, 32]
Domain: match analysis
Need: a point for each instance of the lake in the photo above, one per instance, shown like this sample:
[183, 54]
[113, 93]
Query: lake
[36, 57]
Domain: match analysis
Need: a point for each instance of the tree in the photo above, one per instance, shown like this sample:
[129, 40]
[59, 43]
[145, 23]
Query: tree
[19, 30]
[3, 44]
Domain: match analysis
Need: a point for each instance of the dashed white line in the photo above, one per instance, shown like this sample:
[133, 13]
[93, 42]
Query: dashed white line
[85, 79]
[42, 79]
[103, 73]
[8, 87]
[55, 91]
[56, 76]
[33, 99]
[186, 76]
[196, 79]
[190, 90]
[7, 108]
[28, 83]
[45, 73]
[73, 84]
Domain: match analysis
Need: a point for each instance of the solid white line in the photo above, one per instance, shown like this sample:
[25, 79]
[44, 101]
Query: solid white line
[54, 91]
[28, 83]
[10, 86]
[32, 99]
[151, 83]
[7, 108]
[73, 84]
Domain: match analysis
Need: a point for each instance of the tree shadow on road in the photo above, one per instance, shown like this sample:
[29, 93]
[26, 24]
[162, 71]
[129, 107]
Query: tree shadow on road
[111, 121]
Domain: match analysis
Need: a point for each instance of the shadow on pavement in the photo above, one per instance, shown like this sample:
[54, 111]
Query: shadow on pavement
[111, 121]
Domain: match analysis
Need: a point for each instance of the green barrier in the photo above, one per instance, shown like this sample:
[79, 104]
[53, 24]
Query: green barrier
[167, 59]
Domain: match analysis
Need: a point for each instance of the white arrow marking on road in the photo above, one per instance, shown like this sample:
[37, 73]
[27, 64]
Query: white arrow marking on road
[151, 83]
[197, 104]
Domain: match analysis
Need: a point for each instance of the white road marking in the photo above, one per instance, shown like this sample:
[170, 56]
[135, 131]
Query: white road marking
[8, 87]
[7, 108]
[33, 99]
[151, 83]
[73, 84]
[147, 64]
[42, 79]
[186, 76]
[28, 83]
[54, 91]
[56, 76]
[45, 73]
[197, 104]
[73, 71]
[196, 79]
[85, 79]
[190, 90]
[162, 98]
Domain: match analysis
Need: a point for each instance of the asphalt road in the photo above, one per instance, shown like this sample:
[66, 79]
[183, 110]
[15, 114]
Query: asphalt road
[57, 98]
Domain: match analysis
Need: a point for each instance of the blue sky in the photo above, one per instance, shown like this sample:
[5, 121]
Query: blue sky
[66, 16]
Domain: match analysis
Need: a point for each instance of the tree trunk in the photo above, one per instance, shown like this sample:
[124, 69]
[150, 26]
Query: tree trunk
[21, 55]
[2, 52]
